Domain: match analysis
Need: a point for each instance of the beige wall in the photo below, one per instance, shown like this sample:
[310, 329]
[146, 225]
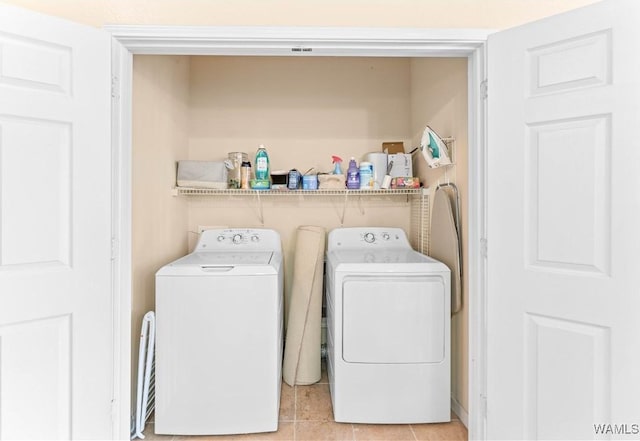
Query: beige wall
[303, 109]
[439, 99]
[496, 14]
[160, 122]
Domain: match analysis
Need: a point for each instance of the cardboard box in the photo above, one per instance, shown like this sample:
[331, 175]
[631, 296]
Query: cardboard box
[393, 147]
[405, 183]
[402, 165]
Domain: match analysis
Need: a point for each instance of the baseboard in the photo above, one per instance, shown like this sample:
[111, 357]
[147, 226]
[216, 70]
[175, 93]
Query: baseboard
[459, 410]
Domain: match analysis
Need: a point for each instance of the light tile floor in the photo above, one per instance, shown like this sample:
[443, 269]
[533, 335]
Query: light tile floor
[306, 415]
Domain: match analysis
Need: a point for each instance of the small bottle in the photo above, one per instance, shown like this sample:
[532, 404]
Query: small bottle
[366, 176]
[353, 175]
[337, 160]
[262, 164]
[245, 175]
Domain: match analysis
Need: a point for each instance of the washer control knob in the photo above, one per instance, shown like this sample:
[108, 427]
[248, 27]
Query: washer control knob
[369, 237]
[386, 236]
[255, 238]
[220, 238]
[237, 238]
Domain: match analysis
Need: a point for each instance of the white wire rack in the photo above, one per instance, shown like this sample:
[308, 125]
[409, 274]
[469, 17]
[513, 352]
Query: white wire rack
[188, 191]
[417, 198]
[420, 216]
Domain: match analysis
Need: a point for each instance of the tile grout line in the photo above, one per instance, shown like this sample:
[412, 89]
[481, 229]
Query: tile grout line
[295, 410]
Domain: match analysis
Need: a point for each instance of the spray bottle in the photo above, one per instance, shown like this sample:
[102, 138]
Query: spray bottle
[337, 160]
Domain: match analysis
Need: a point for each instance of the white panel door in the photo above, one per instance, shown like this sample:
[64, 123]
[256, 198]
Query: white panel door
[56, 348]
[564, 226]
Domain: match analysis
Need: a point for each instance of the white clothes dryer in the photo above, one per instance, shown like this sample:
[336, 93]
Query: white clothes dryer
[388, 329]
[219, 336]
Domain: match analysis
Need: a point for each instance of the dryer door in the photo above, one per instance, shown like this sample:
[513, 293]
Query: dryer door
[399, 319]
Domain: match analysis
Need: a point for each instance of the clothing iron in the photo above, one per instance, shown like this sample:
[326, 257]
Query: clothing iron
[433, 149]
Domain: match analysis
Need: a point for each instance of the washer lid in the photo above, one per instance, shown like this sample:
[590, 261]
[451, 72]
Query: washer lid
[209, 263]
[212, 258]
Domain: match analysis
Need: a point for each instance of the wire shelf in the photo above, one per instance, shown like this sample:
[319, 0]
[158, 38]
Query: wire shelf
[189, 191]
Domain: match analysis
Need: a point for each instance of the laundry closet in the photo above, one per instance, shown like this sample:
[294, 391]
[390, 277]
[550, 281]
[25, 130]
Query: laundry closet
[304, 109]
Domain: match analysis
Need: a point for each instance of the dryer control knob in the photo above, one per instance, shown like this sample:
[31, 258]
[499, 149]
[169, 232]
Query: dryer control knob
[369, 237]
[385, 236]
[220, 238]
[237, 238]
[255, 238]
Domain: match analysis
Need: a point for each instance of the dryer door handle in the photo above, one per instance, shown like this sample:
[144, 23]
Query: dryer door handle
[216, 268]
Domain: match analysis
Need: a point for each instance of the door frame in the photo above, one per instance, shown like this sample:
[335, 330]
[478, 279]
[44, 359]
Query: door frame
[296, 41]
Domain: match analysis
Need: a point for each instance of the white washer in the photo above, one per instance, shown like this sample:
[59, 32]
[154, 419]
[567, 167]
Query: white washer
[219, 336]
[388, 334]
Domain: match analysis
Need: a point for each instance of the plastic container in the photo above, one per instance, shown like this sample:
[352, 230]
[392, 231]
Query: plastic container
[245, 175]
[293, 183]
[310, 182]
[353, 175]
[366, 176]
[262, 164]
[260, 184]
[233, 164]
[279, 179]
[380, 163]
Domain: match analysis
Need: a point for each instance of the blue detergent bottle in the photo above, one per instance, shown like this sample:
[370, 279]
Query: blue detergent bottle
[262, 164]
[353, 175]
